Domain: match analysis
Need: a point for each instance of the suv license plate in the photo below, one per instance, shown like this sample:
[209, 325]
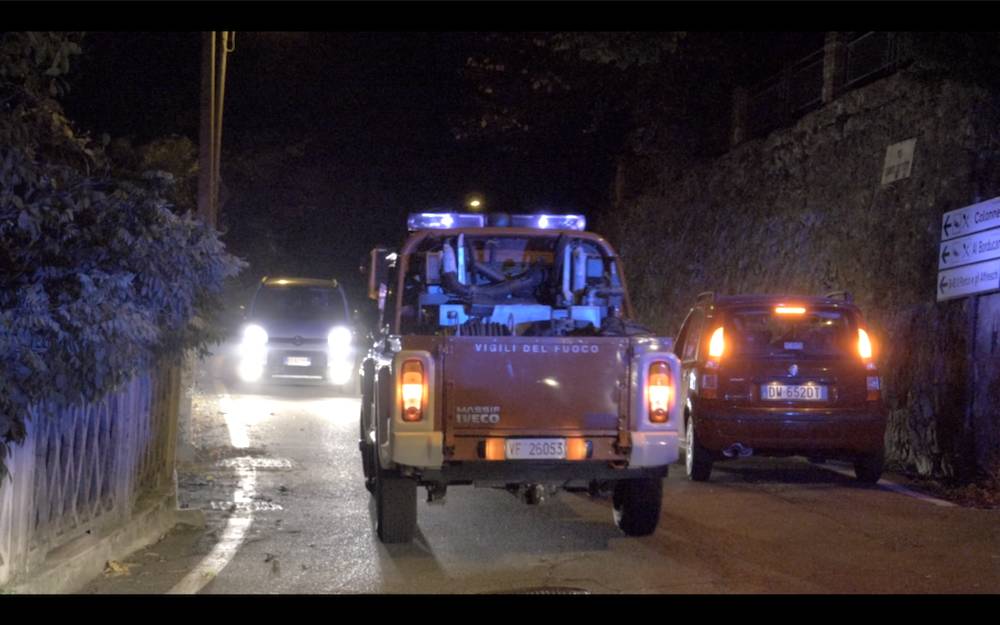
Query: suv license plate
[793, 392]
[298, 361]
[536, 448]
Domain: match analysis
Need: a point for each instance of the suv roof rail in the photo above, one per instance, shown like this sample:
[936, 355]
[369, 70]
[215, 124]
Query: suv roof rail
[845, 295]
[709, 295]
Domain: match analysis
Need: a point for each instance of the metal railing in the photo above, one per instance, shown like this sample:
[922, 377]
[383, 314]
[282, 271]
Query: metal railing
[84, 468]
[784, 97]
[871, 54]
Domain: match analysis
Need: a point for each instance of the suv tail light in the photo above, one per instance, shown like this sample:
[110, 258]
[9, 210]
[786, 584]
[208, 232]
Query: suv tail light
[717, 344]
[411, 390]
[659, 392]
[864, 345]
[873, 382]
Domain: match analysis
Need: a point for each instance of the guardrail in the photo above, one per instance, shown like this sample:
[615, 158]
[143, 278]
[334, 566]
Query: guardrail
[87, 468]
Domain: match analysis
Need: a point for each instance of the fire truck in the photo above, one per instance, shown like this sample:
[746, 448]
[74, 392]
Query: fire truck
[506, 356]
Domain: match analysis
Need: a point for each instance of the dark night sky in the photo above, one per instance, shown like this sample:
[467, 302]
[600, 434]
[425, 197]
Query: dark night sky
[375, 109]
[381, 98]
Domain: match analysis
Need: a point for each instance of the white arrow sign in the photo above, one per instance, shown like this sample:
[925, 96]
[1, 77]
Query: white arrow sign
[968, 280]
[970, 249]
[962, 221]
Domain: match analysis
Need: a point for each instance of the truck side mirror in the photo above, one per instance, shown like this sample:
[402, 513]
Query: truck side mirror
[377, 264]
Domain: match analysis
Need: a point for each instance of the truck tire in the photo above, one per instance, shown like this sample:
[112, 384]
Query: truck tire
[697, 460]
[395, 508]
[868, 469]
[369, 461]
[637, 504]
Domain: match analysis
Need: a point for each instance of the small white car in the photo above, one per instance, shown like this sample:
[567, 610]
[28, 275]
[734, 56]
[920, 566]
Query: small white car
[297, 330]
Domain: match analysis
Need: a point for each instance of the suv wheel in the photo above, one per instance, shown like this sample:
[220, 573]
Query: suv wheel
[697, 460]
[868, 469]
[395, 507]
[637, 505]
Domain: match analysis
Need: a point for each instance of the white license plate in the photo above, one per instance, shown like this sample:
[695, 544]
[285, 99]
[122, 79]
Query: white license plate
[298, 361]
[793, 392]
[536, 448]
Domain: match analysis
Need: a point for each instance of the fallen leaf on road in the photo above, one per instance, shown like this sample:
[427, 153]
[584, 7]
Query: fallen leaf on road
[114, 568]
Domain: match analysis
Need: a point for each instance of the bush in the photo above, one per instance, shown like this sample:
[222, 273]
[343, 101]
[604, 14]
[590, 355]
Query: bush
[99, 274]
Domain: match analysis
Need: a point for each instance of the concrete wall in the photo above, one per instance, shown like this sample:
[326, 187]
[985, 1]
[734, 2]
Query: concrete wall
[804, 210]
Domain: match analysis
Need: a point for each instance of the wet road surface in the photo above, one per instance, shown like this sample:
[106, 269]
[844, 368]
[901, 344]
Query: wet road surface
[278, 475]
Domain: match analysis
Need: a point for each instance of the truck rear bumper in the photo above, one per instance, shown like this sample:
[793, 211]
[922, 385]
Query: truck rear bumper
[533, 471]
[651, 449]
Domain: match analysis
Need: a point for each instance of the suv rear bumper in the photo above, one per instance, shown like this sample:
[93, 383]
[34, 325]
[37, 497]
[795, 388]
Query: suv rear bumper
[792, 431]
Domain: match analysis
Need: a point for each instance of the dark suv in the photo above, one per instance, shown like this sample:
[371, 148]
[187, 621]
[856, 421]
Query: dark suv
[298, 330]
[779, 376]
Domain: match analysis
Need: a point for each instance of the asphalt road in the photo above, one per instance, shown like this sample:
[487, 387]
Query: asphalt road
[278, 475]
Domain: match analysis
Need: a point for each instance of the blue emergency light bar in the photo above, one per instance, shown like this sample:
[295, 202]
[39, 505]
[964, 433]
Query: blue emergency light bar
[549, 222]
[444, 221]
[425, 221]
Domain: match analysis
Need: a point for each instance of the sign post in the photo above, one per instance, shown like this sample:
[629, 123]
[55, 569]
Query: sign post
[969, 264]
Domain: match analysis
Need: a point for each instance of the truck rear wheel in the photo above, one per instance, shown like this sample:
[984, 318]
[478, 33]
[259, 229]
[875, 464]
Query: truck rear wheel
[637, 505]
[395, 507]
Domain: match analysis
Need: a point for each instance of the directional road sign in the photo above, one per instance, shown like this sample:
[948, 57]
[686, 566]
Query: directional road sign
[973, 248]
[974, 218]
[968, 280]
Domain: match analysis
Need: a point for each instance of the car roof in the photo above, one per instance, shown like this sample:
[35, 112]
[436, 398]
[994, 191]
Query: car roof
[291, 281]
[761, 299]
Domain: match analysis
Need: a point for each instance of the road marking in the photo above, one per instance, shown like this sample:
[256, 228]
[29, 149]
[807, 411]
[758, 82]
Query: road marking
[894, 487]
[259, 463]
[237, 524]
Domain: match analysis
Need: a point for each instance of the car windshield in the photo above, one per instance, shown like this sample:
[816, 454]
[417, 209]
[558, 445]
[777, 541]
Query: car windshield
[300, 302]
[765, 332]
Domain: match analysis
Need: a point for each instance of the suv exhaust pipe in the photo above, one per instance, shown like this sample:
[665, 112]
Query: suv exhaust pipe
[737, 450]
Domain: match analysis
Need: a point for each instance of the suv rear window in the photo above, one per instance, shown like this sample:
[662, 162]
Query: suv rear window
[815, 332]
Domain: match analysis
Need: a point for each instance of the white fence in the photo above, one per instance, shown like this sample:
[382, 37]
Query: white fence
[85, 469]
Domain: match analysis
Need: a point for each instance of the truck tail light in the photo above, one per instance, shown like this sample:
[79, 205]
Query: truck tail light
[411, 390]
[659, 392]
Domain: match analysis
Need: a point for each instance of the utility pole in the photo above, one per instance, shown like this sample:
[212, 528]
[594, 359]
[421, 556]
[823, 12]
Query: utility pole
[215, 47]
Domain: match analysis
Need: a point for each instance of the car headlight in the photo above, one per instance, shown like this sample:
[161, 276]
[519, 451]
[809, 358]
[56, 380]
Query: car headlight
[253, 334]
[339, 338]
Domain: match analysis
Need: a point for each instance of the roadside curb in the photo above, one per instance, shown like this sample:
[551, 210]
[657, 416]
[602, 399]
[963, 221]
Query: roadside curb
[69, 568]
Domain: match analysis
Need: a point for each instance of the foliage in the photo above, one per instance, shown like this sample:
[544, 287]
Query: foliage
[98, 273]
[528, 86]
[628, 92]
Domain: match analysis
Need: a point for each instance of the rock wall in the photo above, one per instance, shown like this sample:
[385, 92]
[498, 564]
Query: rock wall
[803, 210]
